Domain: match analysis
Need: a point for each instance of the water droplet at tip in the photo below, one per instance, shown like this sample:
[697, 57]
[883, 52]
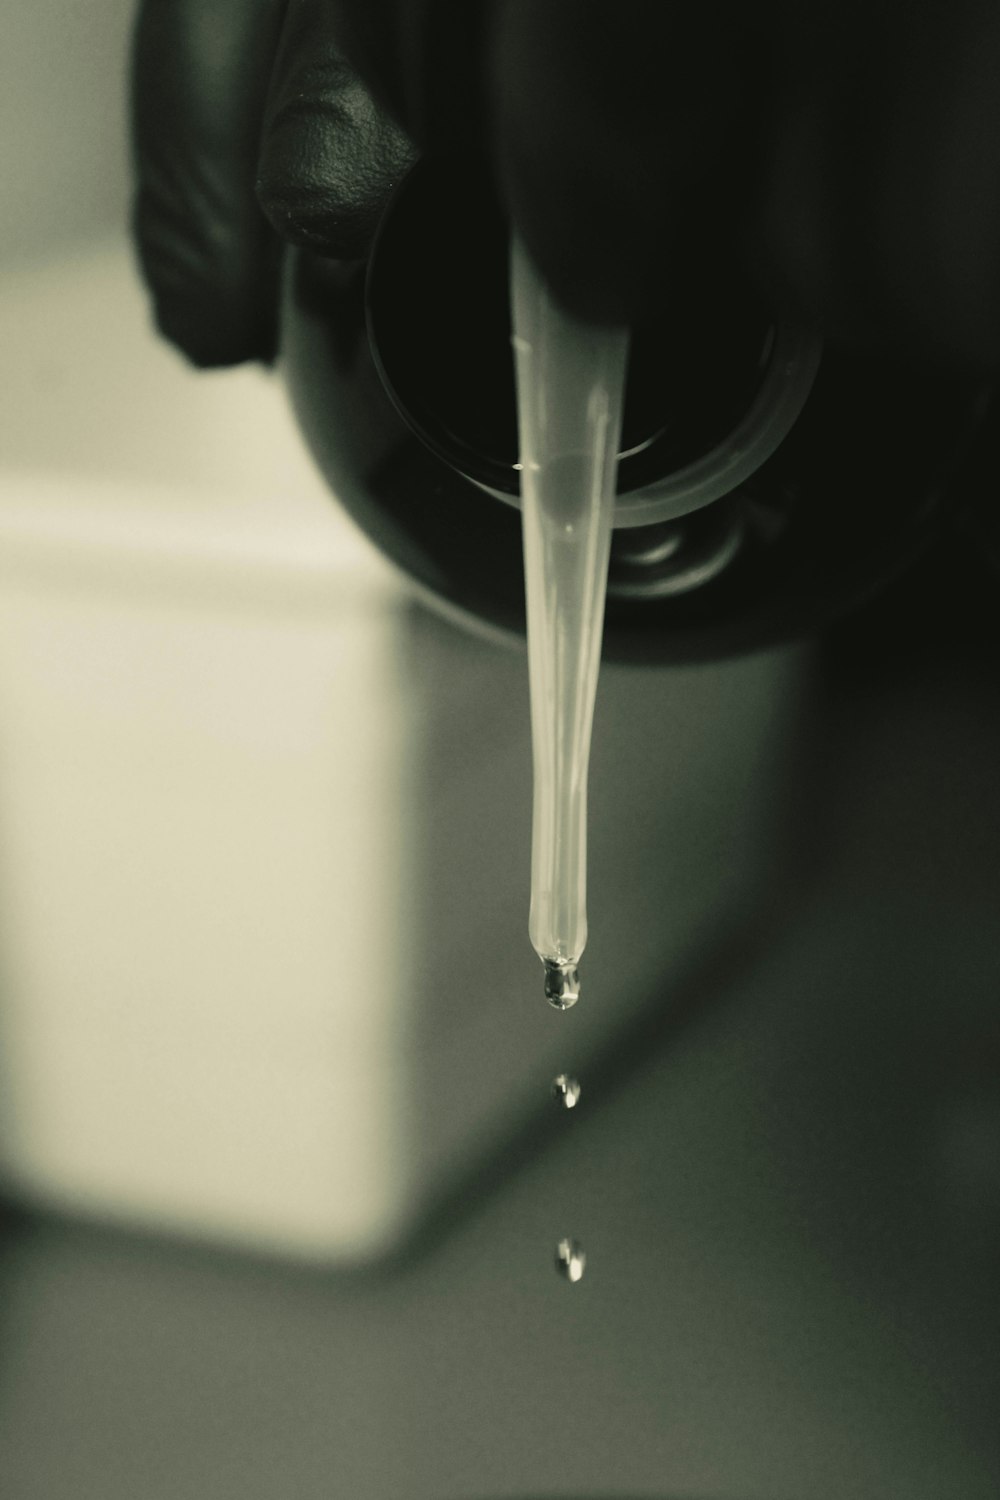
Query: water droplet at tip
[562, 983]
[566, 1090]
[571, 1259]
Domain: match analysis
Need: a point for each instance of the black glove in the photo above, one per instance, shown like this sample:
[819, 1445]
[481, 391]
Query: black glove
[231, 99]
[846, 152]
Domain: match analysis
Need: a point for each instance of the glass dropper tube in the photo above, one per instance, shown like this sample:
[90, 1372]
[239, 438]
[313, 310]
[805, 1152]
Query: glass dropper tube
[570, 380]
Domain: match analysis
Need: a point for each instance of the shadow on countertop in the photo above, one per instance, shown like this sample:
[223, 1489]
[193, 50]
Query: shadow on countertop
[790, 1175]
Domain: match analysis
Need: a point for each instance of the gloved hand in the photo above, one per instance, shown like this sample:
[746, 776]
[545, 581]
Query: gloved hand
[846, 152]
[231, 98]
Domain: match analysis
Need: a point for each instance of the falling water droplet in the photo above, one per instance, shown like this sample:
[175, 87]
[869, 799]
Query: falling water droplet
[566, 1090]
[562, 983]
[571, 1259]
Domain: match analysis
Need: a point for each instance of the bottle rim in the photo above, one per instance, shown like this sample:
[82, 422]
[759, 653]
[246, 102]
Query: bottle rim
[788, 370]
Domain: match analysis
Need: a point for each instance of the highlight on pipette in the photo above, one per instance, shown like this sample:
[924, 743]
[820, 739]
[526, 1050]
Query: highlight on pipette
[562, 982]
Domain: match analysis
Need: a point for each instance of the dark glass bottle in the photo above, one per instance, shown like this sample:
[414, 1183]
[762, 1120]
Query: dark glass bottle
[765, 485]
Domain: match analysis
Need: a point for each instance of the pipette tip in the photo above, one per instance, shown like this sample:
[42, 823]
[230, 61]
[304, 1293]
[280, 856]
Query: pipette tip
[562, 983]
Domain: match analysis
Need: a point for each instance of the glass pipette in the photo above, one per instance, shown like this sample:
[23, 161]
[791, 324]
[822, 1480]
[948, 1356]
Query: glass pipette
[570, 380]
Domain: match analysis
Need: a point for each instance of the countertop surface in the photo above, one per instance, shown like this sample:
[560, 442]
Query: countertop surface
[787, 1183]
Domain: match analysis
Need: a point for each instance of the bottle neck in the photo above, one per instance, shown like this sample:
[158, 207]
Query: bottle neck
[715, 381]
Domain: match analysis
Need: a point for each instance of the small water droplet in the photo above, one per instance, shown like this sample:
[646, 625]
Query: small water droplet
[566, 1089]
[562, 983]
[571, 1259]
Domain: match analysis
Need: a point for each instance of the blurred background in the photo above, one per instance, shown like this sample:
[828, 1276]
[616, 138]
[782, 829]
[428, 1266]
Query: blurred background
[281, 1179]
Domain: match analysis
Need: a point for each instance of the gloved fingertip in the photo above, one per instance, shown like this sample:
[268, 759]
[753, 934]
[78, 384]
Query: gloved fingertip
[219, 310]
[213, 345]
[310, 212]
[329, 159]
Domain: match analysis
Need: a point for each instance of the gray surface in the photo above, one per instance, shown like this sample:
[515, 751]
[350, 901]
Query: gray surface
[63, 138]
[790, 1202]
